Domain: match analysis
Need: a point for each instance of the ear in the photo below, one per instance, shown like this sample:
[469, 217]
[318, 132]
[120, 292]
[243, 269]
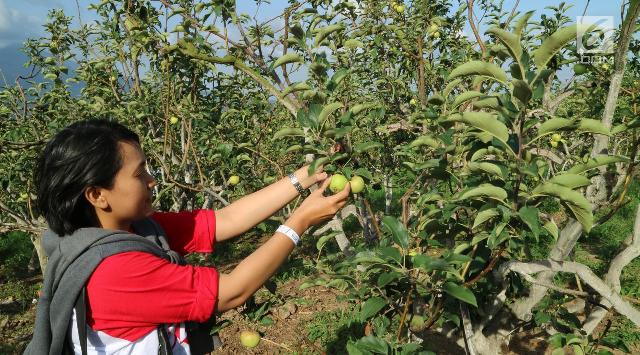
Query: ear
[95, 196]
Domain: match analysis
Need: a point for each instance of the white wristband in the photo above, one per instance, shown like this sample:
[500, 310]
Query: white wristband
[295, 238]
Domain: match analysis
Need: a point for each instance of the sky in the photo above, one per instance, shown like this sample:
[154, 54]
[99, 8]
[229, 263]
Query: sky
[22, 19]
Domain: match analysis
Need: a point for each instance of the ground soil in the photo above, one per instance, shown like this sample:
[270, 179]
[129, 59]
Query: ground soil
[288, 335]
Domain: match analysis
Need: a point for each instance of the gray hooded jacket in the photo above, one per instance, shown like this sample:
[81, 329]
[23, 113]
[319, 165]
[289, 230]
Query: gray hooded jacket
[72, 260]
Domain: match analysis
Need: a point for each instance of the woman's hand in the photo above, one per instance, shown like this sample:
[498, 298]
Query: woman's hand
[317, 208]
[305, 180]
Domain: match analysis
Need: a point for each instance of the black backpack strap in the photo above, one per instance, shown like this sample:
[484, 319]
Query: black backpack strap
[81, 319]
[165, 347]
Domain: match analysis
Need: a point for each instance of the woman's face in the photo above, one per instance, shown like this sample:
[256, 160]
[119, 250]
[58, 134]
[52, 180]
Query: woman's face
[129, 198]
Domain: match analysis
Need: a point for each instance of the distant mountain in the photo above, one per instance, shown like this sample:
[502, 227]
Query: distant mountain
[11, 63]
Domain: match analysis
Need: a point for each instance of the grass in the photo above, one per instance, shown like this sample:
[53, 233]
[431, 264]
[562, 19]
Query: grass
[333, 329]
[15, 252]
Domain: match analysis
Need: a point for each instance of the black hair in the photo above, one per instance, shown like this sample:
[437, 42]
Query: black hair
[85, 154]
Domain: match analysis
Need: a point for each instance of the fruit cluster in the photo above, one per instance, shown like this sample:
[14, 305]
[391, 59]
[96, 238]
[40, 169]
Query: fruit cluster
[339, 181]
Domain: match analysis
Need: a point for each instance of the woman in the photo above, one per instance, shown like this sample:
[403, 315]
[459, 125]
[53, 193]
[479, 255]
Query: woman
[116, 265]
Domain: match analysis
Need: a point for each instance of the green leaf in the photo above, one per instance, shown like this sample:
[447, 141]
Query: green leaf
[398, 231]
[387, 277]
[571, 181]
[356, 109]
[553, 125]
[424, 140]
[302, 86]
[465, 96]
[339, 284]
[486, 122]
[364, 173]
[522, 91]
[339, 75]
[552, 228]
[487, 167]
[595, 126]
[450, 86]
[460, 292]
[353, 44]
[293, 148]
[489, 102]
[287, 58]
[371, 306]
[510, 40]
[374, 345]
[352, 349]
[328, 110]
[484, 216]
[316, 163]
[576, 202]
[307, 119]
[521, 23]
[436, 99]
[325, 32]
[363, 147]
[323, 240]
[391, 254]
[563, 193]
[429, 264]
[529, 215]
[577, 349]
[487, 190]
[596, 162]
[477, 67]
[554, 43]
[287, 132]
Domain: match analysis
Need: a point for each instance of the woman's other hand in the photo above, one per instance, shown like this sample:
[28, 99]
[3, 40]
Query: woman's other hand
[317, 208]
[307, 180]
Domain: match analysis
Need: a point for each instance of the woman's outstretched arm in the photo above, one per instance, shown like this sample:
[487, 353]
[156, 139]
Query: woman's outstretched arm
[243, 214]
[236, 287]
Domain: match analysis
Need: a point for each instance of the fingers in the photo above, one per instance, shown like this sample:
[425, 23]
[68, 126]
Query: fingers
[323, 187]
[320, 176]
[344, 194]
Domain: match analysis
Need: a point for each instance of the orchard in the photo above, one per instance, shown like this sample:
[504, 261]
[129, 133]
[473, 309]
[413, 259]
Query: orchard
[493, 172]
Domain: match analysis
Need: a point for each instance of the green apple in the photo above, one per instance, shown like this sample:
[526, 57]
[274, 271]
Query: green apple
[417, 323]
[249, 338]
[413, 102]
[433, 28]
[554, 143]
[436, 35]
[556, 137]
[173, 120]
[338, 182]
[399, 9]
[357, 184]
[579, 69]
[234, 180]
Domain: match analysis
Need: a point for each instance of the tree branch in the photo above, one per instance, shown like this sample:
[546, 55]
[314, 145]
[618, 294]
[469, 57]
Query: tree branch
[474, 28]
[608, 293]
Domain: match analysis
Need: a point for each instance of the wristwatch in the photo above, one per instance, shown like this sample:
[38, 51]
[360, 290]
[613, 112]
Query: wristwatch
[296, 183]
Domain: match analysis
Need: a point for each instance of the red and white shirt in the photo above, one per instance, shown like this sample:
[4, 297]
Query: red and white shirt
[130, 294]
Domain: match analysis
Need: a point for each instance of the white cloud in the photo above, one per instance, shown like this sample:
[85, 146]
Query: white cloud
[15, 26]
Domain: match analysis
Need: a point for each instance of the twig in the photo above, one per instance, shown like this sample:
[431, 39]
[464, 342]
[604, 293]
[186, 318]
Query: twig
[474, 28]
[404, 312]
[488, 268]
[277, 344]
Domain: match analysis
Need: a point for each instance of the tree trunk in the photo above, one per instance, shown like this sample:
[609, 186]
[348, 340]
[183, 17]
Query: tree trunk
[36, 239]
